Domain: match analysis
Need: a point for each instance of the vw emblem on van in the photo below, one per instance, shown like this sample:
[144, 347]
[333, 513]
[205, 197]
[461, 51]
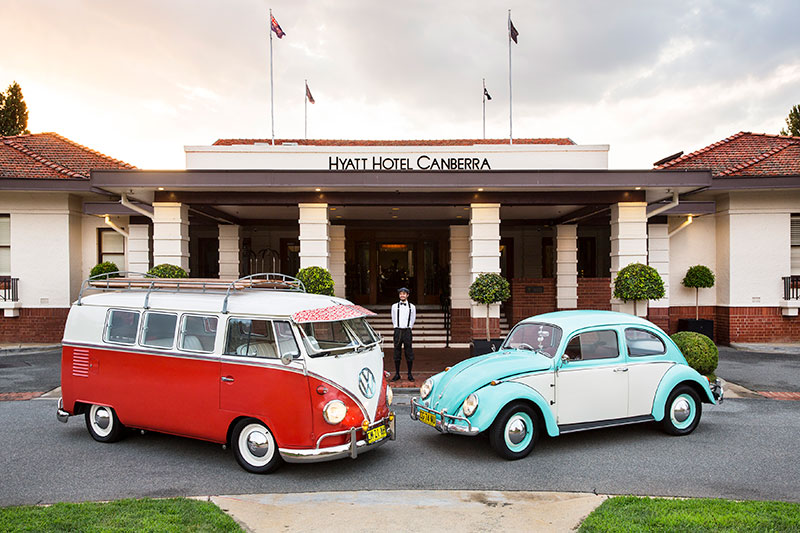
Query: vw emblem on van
[366, 383]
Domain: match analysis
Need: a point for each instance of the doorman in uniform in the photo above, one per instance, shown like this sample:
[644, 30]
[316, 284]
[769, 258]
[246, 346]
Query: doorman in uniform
[404, 313]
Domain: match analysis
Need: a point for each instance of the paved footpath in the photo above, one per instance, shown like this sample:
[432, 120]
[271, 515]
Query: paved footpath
[410, 510]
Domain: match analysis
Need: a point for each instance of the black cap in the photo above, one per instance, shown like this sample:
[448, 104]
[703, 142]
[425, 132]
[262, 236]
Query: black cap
[404, 289]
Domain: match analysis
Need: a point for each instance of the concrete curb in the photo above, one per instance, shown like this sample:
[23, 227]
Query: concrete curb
[27, 348]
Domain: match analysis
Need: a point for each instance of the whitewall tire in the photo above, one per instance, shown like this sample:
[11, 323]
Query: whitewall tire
[103, 423]
[255, 447]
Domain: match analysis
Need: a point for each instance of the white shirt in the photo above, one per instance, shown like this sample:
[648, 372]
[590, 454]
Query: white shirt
[404, 314]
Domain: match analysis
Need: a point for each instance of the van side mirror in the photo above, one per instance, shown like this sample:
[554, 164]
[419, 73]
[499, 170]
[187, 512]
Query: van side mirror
[288, 357]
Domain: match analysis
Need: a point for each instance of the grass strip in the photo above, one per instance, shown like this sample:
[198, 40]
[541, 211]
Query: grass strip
[633, 513]
[170, 515]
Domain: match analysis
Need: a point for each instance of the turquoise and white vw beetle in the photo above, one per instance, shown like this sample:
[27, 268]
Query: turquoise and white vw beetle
[563, 372]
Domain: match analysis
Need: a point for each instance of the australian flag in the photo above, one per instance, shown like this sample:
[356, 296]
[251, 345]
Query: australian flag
[277, 28]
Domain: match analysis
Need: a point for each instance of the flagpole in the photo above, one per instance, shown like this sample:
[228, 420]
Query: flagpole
[484, 108]
[271, 89]
[510, 126]
[305, 100]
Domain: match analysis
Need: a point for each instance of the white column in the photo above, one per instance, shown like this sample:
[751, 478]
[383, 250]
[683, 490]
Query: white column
[567, 266]
[229, 253]
[484, 249]
[628, 245]
[314, 239]
[171, 234]
[658, 258]
[460, 270]
[138, 248]
[337, 260]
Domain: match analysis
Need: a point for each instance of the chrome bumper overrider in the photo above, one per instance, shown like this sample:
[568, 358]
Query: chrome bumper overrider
[61, 414]
[352, 448]
[443, 423]
[716, 390]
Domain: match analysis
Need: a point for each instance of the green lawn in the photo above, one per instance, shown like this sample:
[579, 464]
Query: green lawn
[631, 514]
[175, 514]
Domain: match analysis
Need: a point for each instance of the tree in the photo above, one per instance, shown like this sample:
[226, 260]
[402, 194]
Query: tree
[793, 122]
[637, 282]
[490, 288]
[13, 111]
[698, 277]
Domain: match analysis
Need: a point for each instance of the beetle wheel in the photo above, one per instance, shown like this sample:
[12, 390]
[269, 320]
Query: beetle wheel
[682, 411]
[255, 447]
[514, 432]
[103, 423]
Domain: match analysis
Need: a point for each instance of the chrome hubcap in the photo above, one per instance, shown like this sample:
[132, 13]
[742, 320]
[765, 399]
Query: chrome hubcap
[681, 410]
[516, 430]
[257, 443]
[102, 418]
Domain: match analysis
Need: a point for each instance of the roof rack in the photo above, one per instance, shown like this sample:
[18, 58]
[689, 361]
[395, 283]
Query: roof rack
[125, 281]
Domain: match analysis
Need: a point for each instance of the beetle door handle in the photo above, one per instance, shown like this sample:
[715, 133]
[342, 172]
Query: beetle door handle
[227, 379]
[624, 369]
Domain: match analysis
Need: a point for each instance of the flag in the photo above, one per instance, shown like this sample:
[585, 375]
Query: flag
[511, 30]
[277, 28]
[308, 94]
[486, 94]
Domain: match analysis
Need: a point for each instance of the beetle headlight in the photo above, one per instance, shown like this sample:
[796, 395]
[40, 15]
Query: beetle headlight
[426, 388]
[470, 404]
[334, 412]
[389, 395]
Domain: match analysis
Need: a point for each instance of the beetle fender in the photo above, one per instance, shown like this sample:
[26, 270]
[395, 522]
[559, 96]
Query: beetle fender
[676, 375]
[492, 398]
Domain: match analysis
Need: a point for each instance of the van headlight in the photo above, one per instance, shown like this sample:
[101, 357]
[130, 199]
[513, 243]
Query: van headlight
[334, 412]
[389, 395]
[426, 388]
[470, 404]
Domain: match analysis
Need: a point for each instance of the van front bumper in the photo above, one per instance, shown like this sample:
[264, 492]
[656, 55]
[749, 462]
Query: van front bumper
[352, 449]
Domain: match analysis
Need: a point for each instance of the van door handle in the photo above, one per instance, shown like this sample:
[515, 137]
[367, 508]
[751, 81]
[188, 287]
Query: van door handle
[227, 379]
[624, 369]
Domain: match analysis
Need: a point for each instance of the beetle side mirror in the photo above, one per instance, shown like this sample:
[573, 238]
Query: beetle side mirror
[564, 359]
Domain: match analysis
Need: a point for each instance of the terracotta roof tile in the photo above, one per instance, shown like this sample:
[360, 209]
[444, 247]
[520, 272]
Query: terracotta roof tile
[51, 156]
[744, 154]
[418, 142]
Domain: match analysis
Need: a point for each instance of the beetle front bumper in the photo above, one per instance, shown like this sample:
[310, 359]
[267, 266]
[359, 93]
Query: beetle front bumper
[716, 390]
[443, 423]
[351, 449]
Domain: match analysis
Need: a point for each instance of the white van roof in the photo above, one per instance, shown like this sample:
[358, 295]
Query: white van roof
[259, 302]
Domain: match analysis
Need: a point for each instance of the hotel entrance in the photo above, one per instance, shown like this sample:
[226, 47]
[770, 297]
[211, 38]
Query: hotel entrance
[378, 262]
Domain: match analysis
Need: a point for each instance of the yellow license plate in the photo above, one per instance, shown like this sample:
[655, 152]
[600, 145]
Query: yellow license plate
[427, 418]
[376, 434]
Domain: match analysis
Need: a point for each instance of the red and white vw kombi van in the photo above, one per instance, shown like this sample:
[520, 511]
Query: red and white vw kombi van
[258, 363]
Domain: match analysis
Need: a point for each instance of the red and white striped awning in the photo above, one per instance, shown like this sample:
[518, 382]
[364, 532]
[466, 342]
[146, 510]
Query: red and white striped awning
[331, 314]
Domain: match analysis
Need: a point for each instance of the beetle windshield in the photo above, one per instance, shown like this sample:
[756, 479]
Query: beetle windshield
[542, 338]
[327, 338]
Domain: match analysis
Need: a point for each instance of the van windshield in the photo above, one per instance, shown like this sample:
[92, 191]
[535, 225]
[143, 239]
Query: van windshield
[327, 338]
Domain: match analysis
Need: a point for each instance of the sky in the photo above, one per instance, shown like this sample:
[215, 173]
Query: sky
[139, 80]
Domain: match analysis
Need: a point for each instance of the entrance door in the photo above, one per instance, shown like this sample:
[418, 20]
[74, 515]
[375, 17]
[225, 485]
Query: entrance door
[396, 268]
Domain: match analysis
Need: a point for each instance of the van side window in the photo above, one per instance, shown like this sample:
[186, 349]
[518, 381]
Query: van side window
[198, 333]
[122, 326]
[641, 342]
[593, 345]
[251, 337]
[286, 340]
[159, 330]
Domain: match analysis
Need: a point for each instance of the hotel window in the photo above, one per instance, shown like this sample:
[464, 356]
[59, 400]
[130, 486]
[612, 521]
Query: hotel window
[795, 237]
[5, 245]
[111, 247]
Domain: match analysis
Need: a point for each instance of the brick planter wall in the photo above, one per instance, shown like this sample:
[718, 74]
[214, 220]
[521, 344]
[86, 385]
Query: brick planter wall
[479, 328]
[755, 324]
[34, 325]
[594, 293]
[522, 305]
[460, 325]
[707, 312]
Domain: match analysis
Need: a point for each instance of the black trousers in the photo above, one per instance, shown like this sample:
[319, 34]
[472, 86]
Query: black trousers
[402, 337]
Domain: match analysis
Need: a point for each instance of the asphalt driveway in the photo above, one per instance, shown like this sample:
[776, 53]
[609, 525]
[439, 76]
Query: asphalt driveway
[760, 371]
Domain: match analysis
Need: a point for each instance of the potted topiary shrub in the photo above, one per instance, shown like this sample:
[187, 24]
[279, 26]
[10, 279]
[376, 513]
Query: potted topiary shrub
[637, 282]
[106, 267]
[698, 277]
[165, 270]
[700, 351]
[488, 289]
[317, 280]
